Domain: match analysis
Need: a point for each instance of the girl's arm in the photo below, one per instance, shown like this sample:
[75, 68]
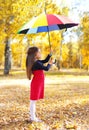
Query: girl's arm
[46, 68]
[46, 59]
[39, 66]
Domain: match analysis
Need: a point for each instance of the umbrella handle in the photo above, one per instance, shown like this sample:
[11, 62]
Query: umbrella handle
[50, 48]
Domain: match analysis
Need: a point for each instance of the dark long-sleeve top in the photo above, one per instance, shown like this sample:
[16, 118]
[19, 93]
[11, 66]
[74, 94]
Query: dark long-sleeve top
[39, 64]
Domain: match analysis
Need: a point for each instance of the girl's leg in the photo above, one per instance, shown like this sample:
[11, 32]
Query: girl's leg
[32, 109]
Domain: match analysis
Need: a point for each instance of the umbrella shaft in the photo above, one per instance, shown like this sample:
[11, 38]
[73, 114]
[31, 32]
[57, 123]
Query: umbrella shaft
[49, 40]
[48, 31]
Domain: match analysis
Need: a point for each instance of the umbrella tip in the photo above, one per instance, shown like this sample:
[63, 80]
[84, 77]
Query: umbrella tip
[18, 32]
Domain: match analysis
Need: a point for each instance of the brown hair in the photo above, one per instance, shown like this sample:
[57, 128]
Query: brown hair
[31, 53]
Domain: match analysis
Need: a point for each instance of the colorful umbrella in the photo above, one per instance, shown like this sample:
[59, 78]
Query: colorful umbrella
[45, 23]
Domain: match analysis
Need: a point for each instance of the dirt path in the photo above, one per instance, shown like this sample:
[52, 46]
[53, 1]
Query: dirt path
[49, 80]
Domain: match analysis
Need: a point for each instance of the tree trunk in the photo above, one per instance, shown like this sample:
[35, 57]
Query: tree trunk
[88, 68]
[58, 64]
[7, 65]
[60, 55]
[80, 61]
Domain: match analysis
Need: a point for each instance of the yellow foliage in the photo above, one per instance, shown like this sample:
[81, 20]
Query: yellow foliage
[85, 40]
[2, 48]
[13, 14]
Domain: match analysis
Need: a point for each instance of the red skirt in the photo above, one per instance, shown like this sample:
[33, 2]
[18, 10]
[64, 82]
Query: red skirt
[37, 85]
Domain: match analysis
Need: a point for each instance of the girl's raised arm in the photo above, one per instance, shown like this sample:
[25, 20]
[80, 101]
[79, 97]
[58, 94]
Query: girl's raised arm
[46, 59]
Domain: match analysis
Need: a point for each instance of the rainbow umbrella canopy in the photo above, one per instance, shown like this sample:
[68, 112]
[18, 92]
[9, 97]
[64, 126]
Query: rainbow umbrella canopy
[46, 23]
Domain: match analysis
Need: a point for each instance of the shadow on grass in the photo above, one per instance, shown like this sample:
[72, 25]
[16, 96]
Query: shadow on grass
[14, 73]
[86, 73]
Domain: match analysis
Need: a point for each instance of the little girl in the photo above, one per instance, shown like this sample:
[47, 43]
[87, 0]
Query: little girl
[36, 66]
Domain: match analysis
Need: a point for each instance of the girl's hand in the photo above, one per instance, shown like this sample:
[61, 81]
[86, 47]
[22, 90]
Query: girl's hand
[50, 61]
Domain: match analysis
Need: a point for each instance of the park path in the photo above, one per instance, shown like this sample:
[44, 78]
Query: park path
[49, 80]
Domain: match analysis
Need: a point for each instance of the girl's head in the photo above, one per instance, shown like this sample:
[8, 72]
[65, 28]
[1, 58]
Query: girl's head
[33, 54]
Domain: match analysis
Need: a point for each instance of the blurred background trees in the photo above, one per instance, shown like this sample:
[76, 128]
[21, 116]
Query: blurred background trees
[13, 47]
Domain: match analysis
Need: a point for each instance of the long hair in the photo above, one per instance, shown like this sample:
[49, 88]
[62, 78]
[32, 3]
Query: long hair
[31, 53]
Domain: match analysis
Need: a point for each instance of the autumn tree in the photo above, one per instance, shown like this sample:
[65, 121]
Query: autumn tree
[11, 13]
[85, 40]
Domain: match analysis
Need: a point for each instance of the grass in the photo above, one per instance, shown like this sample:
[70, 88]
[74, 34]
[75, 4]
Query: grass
[21, 74]
[65, 106]
[13, 74]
